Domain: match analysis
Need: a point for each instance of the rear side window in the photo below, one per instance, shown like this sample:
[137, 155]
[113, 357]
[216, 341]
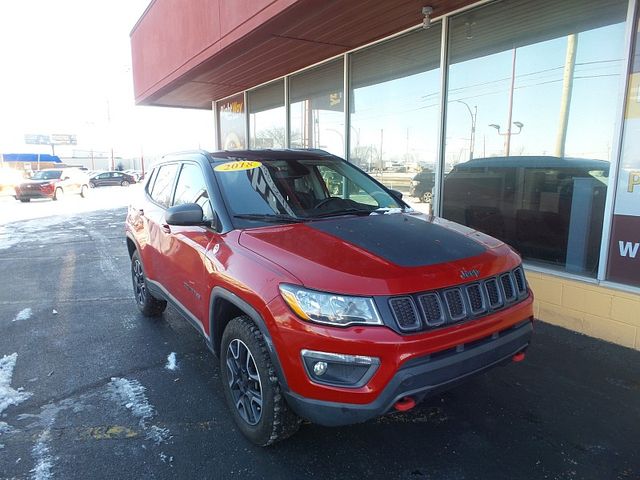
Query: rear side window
[152, 179]
[191, 188]
[161, 192]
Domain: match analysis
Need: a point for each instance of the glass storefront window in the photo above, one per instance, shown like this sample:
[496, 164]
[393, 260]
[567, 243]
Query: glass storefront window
[532, 96]
[624, 245]
[395, 94]
[231, 123]
[267, 116]
[317, 108]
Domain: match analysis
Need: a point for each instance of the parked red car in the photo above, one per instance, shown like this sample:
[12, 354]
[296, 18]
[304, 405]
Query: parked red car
[332, 307]
[53, 183]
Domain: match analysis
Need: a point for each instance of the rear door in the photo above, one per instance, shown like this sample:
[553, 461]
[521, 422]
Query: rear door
[159, 197]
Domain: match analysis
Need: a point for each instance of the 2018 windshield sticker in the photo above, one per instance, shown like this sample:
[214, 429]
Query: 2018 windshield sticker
[237, 166]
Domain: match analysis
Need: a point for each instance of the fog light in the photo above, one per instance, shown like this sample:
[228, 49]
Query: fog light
[319, 368]
[340, 370]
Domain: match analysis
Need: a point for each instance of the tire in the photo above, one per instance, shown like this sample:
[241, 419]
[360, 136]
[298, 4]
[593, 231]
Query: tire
[426, 197]
[250, 375]
[59, 194]
[124, 183]
[148, 305]
[92, 185]
[24, 200]
[84, 191]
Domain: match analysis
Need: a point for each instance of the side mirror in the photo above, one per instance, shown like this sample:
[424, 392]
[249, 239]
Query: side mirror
[66, 178]
[396, 194]
[187, 214]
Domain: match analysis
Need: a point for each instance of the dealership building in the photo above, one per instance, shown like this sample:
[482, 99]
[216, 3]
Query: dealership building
[517, 118]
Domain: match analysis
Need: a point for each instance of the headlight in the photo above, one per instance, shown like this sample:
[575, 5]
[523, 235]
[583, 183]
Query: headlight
[330, 308]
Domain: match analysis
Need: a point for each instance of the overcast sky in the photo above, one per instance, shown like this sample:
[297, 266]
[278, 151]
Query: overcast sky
[65, 67]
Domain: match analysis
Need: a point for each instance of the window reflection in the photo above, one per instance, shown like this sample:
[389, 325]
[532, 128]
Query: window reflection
[524, 159]
[395, 90]
[267, 116]
[317, 108]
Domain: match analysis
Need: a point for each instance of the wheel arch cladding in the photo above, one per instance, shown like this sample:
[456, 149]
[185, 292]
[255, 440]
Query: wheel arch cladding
[131, 246]
[224, 306]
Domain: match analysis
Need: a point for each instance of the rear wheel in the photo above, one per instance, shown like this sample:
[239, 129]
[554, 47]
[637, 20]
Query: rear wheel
[24, 200]
[251, 385]
[426, 197]
[124, 183]
[59, 194]
[84, 191]
[147, 303]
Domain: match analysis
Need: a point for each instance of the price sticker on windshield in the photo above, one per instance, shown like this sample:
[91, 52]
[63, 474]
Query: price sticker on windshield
[237, 166]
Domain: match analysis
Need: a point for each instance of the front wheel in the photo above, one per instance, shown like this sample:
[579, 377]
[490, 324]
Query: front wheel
[84, 191]
[251, 385]
[59, 194]
[149, 305]
[92, 185]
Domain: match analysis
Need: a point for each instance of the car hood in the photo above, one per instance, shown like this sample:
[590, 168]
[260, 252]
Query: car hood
[380, 254]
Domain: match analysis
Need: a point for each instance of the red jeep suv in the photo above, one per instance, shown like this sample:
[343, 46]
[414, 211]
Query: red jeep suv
[331, 304]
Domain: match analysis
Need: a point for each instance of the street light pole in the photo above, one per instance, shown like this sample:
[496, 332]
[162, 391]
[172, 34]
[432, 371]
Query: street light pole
[474, 116]
[508, 134]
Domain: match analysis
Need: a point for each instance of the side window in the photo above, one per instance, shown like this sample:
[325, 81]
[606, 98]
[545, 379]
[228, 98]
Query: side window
[164, 182]
[151, 181]
[191, 188]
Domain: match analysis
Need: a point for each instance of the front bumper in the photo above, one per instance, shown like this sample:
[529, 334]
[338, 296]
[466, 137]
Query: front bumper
[33, 193]
[421, 376]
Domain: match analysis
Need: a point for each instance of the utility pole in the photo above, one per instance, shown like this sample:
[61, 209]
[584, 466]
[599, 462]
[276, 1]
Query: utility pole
[567, 88]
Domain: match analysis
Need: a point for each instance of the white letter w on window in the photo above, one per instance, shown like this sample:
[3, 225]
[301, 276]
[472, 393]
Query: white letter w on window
[628, 249]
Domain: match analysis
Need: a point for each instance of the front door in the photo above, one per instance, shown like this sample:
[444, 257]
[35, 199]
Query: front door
[186, 269]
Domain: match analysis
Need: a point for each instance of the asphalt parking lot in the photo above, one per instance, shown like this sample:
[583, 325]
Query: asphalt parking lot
[90, 389]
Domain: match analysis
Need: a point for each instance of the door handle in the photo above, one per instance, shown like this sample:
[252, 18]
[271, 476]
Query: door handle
[166, 228]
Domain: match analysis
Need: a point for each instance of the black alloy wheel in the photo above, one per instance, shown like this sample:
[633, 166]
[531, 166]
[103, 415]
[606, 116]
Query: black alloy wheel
[251, 385]
[139, 285]
[147, 303]
[244, 382]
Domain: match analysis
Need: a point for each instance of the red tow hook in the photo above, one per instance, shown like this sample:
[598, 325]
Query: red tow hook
[518, 357]
[404, 404]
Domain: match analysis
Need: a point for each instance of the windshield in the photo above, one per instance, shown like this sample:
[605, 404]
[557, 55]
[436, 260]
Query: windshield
[295, 190]
[46, 175]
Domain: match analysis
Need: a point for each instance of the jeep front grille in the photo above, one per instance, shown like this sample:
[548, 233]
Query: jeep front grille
[426, 310]
[405, 313]
[431, 309]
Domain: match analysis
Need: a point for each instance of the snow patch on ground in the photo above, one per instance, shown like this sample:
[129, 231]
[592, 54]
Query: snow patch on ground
[8, 395]
[42, 455]
[131, 395]
[24, 314]
[171, 362]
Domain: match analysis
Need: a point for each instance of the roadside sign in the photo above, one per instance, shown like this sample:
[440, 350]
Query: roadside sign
[63, 139]
[37, 139]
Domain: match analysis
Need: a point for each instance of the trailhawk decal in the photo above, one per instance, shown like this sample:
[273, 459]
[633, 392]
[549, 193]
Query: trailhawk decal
[237, 166]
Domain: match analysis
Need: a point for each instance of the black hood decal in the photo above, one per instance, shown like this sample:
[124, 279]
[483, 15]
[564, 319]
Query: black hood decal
[402, 239]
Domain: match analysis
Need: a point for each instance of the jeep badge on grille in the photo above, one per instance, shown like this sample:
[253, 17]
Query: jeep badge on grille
[464, 274]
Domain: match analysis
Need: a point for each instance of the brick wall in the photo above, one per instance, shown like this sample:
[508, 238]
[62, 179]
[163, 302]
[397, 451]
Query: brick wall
[597, 311]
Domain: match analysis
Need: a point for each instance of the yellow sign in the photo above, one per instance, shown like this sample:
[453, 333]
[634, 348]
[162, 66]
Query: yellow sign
[236, 166]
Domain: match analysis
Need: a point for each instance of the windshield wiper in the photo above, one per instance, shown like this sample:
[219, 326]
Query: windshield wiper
[269, 217]
[346, 211]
